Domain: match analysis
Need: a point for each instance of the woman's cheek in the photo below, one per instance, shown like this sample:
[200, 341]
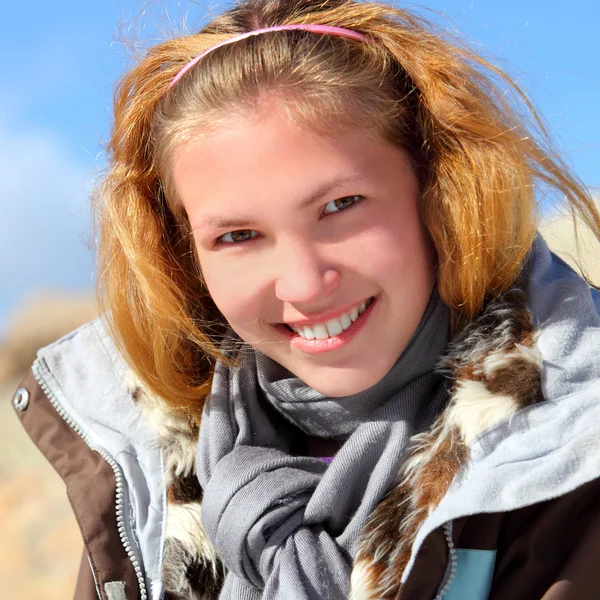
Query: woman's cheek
[233, 286]
[383, 253]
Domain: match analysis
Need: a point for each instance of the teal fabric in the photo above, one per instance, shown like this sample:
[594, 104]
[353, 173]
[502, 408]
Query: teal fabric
[473, 577]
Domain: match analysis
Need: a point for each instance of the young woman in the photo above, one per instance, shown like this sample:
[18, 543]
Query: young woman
[336, 360]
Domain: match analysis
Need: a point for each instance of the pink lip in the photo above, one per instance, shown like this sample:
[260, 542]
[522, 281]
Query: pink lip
[323, 318]
[332, 343]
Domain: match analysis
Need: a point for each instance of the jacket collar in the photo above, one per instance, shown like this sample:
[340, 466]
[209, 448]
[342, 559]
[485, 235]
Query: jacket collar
[556, 440]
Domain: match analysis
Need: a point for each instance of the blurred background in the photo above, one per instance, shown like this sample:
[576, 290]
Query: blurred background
[59, 63]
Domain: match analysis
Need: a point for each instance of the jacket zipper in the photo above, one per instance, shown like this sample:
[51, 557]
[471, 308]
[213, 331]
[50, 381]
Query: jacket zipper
[451, 569]
[119, 480]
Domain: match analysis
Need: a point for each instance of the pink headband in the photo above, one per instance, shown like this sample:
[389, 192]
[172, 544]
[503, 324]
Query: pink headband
[325, 29]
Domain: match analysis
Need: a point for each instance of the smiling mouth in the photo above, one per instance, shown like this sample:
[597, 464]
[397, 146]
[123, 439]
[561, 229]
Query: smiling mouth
[332, 327]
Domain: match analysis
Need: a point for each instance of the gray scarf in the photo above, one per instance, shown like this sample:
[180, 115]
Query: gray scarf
[286, 526]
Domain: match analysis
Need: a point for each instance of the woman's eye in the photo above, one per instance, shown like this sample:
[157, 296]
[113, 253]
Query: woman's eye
[341, 204]
[235, 237]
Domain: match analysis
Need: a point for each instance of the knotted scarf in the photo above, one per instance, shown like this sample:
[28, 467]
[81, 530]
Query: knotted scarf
[287, 526]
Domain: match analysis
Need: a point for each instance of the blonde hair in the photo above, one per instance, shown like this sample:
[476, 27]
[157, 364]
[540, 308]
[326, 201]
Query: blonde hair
[477, 164]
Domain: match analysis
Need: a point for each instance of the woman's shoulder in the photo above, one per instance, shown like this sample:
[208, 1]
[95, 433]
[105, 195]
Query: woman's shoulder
[78, 405]
[90, 385]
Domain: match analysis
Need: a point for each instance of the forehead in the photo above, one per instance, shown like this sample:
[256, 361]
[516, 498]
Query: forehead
[271, 153]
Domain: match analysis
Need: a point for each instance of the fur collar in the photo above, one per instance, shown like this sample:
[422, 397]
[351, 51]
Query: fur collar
[495, 371]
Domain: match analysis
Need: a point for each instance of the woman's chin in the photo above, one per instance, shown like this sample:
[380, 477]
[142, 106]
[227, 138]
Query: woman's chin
[339, 382]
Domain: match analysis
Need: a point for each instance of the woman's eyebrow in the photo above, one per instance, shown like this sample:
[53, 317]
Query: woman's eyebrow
[327, 187]
[224, 223]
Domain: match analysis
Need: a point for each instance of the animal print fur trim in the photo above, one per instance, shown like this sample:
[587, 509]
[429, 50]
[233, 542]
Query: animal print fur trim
[191, 569]
[496, 370]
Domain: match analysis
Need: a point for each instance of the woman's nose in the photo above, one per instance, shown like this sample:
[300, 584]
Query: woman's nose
[303, 275]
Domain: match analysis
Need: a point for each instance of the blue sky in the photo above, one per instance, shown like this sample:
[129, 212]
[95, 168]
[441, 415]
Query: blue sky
[60, 60]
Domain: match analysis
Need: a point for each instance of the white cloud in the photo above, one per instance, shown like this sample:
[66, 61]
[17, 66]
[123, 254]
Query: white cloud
[45, 227]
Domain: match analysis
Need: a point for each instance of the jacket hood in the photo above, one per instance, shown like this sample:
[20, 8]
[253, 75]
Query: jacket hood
[548, 449]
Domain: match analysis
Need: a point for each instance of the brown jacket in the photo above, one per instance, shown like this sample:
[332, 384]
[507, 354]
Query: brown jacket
[441, 532]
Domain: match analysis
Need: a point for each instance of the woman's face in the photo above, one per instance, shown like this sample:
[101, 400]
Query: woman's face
[311, 246]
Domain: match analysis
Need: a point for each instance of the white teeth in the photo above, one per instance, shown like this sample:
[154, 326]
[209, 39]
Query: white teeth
[308, 333]
[320, 332]
[345, 320]
[334, 327]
